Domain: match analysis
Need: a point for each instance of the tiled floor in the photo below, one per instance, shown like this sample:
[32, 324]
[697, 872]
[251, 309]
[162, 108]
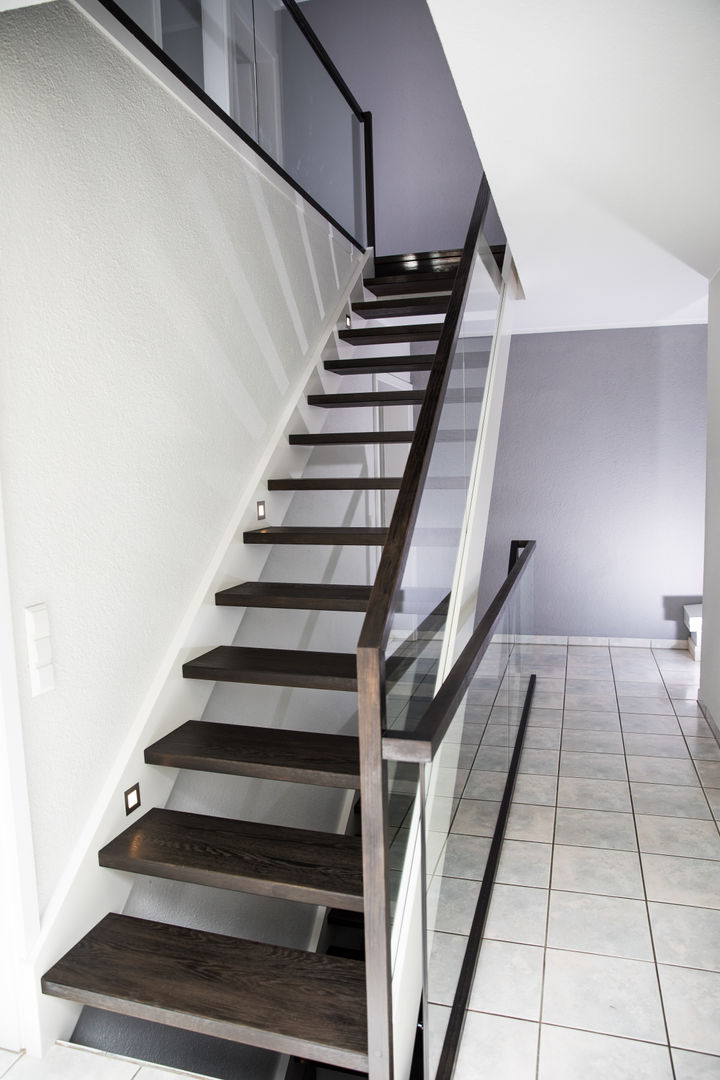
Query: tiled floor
[602, 949]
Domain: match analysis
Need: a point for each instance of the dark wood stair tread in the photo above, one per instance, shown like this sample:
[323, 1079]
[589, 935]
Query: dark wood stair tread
[373, 398]
[350, 438]
[335, 483]
[381, 364]
[310, 597]
[275, 667]
[353, 536]
[406, 305]
[307, 757]
[246, 856]
[418, 262]
[381, 335]
[411, 282]
[263, 995]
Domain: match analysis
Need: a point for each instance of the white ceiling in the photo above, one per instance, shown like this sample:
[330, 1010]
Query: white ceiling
[598, 123]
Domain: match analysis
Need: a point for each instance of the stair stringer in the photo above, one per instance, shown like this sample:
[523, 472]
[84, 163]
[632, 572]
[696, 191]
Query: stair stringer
[85, 892]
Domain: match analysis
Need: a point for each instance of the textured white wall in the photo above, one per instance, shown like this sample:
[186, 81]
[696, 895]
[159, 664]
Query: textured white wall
[160, 298]
[710, 665]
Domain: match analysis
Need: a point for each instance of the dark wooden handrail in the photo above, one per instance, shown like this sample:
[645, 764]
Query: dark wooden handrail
[318, 48]
[422, 743]
[383, 598]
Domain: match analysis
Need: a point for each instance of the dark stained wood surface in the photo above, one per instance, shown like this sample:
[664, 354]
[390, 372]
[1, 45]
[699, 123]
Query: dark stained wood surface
[306, 757]
[335, 483]
[406, 305]
[275, 667]
[394, 284]
[382, 335]
[276, 594]
[355, 536]
[378, 397]
[419, 262]
[350, 438]
[269, 860]
[282, 999]
[379, 364]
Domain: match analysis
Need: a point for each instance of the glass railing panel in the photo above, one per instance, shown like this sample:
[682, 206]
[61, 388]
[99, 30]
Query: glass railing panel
[253, 60]
[474, 760]
[417, 627]
[305, 122]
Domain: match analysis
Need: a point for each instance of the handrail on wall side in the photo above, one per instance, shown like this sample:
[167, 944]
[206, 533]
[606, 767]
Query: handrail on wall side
[423, 743]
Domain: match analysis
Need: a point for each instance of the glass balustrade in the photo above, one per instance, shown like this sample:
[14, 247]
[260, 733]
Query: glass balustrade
[260, 64]
[464, 789]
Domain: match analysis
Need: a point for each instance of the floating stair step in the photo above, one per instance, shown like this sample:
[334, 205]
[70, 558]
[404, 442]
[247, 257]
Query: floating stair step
[420, 262]
[378, 397]
[305, 757]
[350, 438]
[335, 483]
[281, 999]
[275, 594]
[381, 364]
[385, 335]
[246, 856]
[354, 536]
[275, 667]
[392, 284]
[406, 305]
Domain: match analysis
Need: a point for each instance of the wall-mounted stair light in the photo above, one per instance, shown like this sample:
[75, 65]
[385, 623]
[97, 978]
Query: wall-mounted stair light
[261, 510]
[348, 320]
[132, 798]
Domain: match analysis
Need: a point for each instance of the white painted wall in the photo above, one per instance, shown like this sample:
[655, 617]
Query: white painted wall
[710, 659]
[163, 299]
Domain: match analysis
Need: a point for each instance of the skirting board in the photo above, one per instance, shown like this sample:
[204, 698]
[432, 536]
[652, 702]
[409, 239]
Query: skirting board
[710, 719]
[615, 643]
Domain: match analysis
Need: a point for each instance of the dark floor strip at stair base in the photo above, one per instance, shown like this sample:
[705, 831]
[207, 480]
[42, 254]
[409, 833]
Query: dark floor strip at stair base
[280, 999]
[245, 856]
[305, 757]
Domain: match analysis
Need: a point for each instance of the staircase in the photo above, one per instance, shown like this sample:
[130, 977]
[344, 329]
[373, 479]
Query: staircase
[290, 1001]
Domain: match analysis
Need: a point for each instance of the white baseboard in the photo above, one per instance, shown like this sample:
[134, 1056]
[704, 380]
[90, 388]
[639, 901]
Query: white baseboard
[612, 642]
[710, 719]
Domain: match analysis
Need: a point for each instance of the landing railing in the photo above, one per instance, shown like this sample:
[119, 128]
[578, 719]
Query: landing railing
[417, 611]
[462, 757]
[258, 65]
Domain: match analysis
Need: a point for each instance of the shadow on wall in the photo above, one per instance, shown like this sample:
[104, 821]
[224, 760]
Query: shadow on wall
[673, 611]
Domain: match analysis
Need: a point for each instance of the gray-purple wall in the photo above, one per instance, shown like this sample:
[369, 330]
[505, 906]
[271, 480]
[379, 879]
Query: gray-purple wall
[427, 169]
[602, 461]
